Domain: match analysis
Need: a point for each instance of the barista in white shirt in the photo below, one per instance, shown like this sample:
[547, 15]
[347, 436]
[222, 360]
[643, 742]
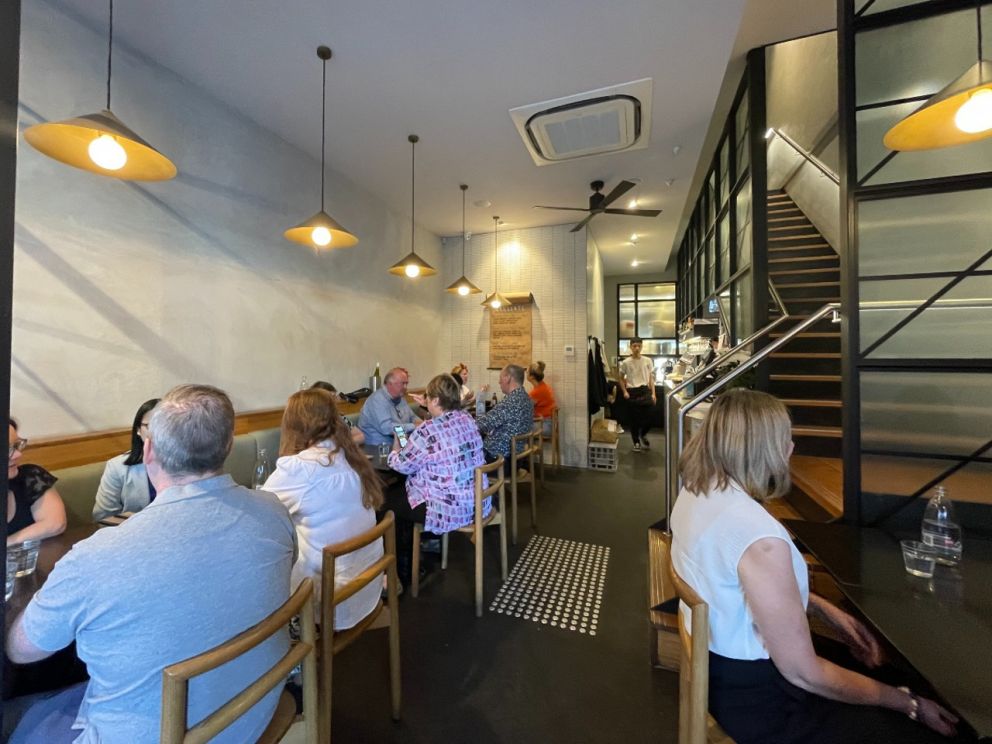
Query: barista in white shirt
[637, 385]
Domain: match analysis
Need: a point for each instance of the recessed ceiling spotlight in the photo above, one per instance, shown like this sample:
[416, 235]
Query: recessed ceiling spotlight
[634, 263]
[632, 204]
[676, 150]
[769, 133]
[633, 237]
[482, 203]
[669, 182]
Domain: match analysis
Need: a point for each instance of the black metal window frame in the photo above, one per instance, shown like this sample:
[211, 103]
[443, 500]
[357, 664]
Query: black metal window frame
[636, 302]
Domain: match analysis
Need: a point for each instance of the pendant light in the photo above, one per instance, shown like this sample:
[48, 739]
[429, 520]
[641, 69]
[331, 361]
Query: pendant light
[321, 230]
[495, 301]
[958, 114]
[412, 265]
[101, 143]
[463, 286]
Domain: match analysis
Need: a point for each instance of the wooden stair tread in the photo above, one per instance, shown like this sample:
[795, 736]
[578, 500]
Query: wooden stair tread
[783, 211]
[805, 355]
[781, 238]
[806, 284]
[817, 270]
[805, 223]
[785, 248]
[805, 430]
[822, 479]
[806, 378]
[797, 259]
[809, 334]
[824, 300]
[781, 509]
[659, 587]
[811, 402]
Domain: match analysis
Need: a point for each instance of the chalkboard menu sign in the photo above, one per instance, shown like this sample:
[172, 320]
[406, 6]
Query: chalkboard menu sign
[510, 338]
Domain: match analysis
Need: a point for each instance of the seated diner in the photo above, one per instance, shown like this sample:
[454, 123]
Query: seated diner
[510, 417]
[34, 507]
[387, 408]
[542, 395]
[125, 487]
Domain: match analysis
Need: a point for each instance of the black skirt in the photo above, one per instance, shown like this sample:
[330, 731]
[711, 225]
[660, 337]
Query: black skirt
[755, 704]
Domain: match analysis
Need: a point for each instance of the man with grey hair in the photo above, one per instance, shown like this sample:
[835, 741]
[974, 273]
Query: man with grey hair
[204, 561]
[387, 408]
[510, 417]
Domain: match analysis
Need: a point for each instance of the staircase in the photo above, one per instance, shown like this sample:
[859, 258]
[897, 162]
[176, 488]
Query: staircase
[806, 373]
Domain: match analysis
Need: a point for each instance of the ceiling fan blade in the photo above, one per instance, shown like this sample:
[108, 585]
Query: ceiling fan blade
[583, 223]
[619, 190]
[569, 209]
[635, 212]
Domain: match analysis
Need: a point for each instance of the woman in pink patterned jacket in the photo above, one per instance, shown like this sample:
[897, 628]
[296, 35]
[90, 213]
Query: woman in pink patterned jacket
[440, 458]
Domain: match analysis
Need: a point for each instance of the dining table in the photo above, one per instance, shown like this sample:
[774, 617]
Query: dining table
[941, 626]
[63, 667]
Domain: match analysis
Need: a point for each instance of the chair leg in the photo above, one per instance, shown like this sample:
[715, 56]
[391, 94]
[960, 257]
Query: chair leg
[502, 545]
[478, 569]
[444, 551]
[415, 561]
[395, 688]
[513, 499]
[533, 501]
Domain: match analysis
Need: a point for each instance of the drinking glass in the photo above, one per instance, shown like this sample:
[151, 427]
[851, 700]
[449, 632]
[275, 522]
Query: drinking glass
[384, 450]
[11, 575]
[918, 557]
[24, 556]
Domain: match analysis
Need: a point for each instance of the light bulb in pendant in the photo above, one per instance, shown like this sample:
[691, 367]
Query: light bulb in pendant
[463, 290]
[494, 303]
[975, 114]
[107, 153]
[320, 236]
[412, 270]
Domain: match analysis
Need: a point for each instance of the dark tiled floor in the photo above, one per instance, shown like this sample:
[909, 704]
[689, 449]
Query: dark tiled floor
[500, 679]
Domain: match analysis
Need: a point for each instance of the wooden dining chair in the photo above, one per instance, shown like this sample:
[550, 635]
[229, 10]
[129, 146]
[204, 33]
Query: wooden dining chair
[494, 469]
[176, 678]
[554, 439]
[382, 616]
[696, 726]
[539, 446]
[526, 443]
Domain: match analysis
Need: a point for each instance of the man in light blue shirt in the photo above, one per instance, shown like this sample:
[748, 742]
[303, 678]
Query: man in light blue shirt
[386, 408]
[203, 562]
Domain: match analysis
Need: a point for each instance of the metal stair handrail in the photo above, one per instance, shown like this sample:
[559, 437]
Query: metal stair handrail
[672, 479]
[807, 156]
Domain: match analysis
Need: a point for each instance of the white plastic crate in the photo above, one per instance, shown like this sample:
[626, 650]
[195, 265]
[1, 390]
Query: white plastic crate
[603, 456]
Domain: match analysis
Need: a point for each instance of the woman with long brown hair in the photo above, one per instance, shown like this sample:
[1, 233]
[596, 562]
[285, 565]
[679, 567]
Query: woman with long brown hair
[331, 492]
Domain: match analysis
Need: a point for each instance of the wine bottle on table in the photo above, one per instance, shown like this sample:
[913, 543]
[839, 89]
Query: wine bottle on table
[375, 380]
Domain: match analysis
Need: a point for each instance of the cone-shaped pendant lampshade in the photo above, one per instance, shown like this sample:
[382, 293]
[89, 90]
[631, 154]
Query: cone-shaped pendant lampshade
[462, 286]
[412, 265]
[321, 230]
[495, 300]
[959, 114]
[101, 143]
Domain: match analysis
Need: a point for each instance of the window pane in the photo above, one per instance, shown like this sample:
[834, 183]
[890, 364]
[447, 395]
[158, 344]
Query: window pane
[624, 348]
[742, 136]
[742, 257]
[626, 291]
[656, 319]
[627, 321]
[742, 307]
[724, 262]
[656, 291]
[656, 348]
[724, 172]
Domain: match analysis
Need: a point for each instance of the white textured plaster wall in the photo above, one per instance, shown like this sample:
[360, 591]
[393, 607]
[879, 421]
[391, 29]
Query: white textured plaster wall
[550, 262]
[122, 290]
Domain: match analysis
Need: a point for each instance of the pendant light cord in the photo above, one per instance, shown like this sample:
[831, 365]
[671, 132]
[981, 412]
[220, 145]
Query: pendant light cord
[978, 14]
[495, 255]
[413, 194]
[323, 127]
[110, 49]
[463, 231]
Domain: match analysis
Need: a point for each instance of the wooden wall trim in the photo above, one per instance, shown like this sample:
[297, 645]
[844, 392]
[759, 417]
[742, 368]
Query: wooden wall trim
[54, 453]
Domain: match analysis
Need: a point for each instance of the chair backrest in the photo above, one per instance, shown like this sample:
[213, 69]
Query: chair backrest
[495, 467]
[529, 448]
[694, 674]
[176, 677]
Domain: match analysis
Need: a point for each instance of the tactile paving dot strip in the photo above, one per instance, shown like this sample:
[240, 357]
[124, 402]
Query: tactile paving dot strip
[556, 582]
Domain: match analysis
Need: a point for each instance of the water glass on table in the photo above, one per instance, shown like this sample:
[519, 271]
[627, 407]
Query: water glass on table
[11, 575]
[24, 556]
[918, 558]
[384, 450]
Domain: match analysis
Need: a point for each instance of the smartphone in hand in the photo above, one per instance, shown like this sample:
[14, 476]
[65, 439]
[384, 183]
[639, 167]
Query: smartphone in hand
[400, 434]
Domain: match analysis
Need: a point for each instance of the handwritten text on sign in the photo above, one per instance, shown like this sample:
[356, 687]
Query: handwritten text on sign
[510, 340]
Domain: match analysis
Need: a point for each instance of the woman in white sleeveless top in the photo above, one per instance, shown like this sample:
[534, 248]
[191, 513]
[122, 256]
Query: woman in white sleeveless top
[767, 683]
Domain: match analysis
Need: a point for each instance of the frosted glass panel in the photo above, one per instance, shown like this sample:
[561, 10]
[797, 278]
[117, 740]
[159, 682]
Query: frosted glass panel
[656, 292]
[878, 6]
[948, 413]
[627, 322]
[911, 166]
[626, 291]
[656, 319]
[957, 326]
[743, 255]
[724, 172]
[742, 307]
[742, 138]
[901, 476]
[913, 59]
[724, 259]
[939, 232]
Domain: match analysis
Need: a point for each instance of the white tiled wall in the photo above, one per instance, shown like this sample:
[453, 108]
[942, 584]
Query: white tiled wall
[550, 263]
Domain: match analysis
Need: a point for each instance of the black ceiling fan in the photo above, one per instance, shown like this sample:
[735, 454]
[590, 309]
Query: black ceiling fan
[598, 204]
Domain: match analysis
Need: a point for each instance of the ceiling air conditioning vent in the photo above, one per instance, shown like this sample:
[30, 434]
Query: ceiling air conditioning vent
[593, 123]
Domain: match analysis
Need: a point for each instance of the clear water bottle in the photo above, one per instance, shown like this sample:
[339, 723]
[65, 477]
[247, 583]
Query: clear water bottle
[262, 470]
[941, 529]
[303, 383]
[480, 402]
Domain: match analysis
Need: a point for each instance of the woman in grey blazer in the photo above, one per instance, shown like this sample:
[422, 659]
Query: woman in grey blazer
[124, 486]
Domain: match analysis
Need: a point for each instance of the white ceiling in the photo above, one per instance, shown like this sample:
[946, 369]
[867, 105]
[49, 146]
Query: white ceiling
[449, 72]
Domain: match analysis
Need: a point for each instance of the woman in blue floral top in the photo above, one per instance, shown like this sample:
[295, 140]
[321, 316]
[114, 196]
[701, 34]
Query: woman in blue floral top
[440, 457]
